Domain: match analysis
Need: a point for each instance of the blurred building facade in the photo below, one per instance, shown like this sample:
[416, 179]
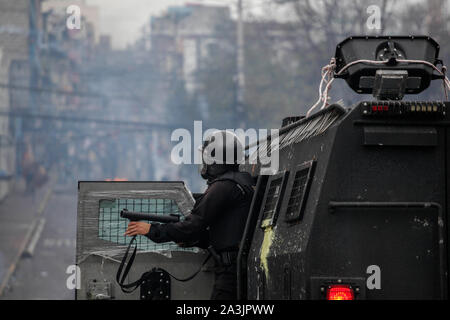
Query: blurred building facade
[18, 62]
[39, 66]
[184, 36]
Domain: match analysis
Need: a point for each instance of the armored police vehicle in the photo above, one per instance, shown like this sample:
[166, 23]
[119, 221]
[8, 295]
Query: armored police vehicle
[358, 208]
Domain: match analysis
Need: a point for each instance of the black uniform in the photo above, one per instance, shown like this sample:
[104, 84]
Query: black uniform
[218, 220]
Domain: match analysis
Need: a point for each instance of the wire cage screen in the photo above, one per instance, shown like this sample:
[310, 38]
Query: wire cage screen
[112, 227]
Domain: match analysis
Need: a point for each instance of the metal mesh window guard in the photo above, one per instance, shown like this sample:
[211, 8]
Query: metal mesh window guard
[297, 194]
[112, 227]
[272, 199]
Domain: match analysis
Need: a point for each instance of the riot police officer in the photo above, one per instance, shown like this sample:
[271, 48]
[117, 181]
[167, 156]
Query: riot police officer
[219, 215]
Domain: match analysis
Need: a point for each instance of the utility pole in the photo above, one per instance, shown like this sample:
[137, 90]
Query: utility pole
[240, 94]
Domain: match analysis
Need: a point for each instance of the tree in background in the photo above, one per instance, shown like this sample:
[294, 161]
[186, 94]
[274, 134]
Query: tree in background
[430, 18]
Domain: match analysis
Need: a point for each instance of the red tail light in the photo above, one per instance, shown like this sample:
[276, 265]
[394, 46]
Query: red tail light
[340, 292]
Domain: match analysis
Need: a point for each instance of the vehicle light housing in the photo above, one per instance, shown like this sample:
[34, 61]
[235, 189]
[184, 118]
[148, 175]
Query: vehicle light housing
[404, 108]
[340, 292]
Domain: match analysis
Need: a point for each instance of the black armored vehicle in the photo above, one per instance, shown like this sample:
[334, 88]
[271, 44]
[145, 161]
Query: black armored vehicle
[358, 208]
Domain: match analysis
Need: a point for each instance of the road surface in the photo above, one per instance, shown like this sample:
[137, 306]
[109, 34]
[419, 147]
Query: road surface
[43, 275]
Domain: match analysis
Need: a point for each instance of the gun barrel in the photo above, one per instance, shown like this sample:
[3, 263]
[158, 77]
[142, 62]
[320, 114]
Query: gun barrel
[137, 216]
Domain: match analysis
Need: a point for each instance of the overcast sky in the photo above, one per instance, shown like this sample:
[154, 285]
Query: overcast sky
[123, 20]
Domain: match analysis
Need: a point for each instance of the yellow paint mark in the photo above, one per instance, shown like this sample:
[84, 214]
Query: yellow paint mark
[265, 247]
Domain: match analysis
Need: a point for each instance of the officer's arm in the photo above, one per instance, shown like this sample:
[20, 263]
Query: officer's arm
[191, 229]
[185, 231]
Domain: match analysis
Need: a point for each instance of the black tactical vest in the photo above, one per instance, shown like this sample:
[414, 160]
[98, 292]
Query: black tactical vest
[226, 232]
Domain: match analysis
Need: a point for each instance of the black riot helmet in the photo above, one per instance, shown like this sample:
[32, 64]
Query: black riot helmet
[221, 151]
